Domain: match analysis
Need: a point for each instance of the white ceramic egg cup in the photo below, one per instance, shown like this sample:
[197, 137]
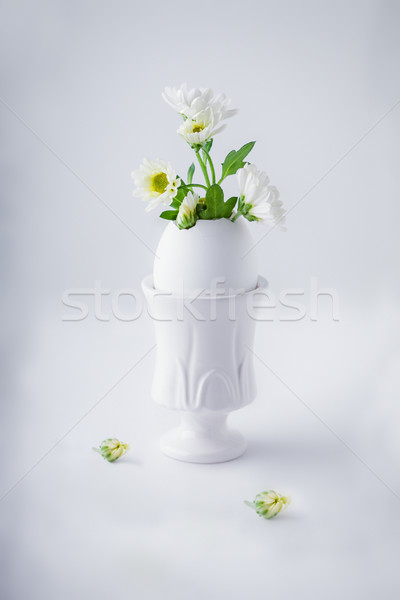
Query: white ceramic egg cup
[204, 364]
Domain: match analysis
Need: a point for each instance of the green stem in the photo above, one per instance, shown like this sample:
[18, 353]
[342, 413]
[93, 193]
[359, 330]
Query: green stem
[190, 185]
[203, 168]
[211, 164]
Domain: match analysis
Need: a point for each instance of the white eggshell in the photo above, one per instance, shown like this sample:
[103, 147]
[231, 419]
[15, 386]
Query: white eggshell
[212, 255]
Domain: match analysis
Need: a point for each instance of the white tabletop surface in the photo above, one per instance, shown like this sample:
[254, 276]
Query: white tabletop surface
[148, 526]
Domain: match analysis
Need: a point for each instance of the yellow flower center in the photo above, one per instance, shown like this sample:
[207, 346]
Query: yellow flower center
[159, 183]
[197, 128]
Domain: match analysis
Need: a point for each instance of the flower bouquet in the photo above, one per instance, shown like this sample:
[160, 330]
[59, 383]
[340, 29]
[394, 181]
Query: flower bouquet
[157, 182]
[204, 280]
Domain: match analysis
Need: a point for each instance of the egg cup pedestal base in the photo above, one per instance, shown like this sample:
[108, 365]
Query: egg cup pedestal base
[204, 368]
[203, 438]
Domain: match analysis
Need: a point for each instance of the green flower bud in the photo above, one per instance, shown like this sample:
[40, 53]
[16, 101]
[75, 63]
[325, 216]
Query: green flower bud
[269, 504]
[111, 449]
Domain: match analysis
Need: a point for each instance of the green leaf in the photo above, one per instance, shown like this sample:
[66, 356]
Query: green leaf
[214, 199]
[190, 173]
[234, 160]
[170, 215]
[177, 201]
[181, 194]
[208, 145]
[229, 206]
[216, 208]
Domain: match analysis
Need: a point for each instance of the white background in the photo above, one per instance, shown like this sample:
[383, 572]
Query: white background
[80, 106]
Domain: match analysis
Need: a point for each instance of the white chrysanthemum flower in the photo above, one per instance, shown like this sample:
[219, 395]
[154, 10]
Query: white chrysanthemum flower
[260, 200]
[253, 184]
[190, 102]
[155, 180]
[187, 215]
[269, 210]
[197, 130]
